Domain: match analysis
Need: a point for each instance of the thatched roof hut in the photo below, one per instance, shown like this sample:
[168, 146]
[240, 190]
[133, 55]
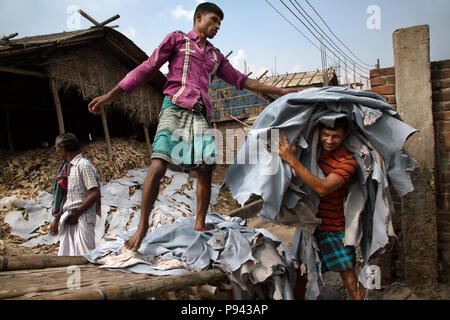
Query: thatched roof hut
[72, 67]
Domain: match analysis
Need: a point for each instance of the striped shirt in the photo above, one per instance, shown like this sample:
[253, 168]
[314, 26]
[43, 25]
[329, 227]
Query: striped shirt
[191, 70]
[331, 207]
[82, 178]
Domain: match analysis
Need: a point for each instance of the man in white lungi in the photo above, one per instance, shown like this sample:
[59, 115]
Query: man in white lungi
[74, 221]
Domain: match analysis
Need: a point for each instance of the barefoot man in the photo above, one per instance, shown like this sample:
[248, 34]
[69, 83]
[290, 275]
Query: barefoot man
[193, 63]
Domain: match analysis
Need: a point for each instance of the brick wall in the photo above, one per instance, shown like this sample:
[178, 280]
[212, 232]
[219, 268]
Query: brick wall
[440, 77]
[383, 83]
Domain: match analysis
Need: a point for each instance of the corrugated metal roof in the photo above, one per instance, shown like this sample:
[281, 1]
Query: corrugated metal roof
[298, 79]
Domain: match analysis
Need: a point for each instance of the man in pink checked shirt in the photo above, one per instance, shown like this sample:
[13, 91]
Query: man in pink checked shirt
[193, 63]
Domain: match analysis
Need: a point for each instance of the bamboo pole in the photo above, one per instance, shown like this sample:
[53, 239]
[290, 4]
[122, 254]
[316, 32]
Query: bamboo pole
[107, 137]
[243, 123]
[59, 113]
[23, 72]
[147, 137]
[261, 76]
[88, 17]
[103, 115]
[146, 288]
[38, 262]
[248, 211]
[7, 38]
[104, 23]
[147, 141]
[205, 291]
[325, 78]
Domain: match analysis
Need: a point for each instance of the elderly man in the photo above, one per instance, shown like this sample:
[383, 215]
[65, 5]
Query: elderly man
[78, 188]
[338, 166]
[193, 63]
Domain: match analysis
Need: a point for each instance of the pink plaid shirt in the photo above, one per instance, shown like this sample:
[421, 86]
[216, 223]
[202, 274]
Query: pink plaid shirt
[191, 70]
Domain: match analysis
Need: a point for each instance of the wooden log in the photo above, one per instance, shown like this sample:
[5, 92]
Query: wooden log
[107, 137]
[88, 17]
[325, 78]
[170, 295]
[261, 76]
[23, 72]
[104, 23]
[206, 291]
[147, 142]
[145, 288]
[7, 38]
[248, 211]
[38, 262]
[57, 106]
[11, 294]
[224, 285]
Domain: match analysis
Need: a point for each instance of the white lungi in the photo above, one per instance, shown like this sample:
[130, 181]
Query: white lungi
[78, 239]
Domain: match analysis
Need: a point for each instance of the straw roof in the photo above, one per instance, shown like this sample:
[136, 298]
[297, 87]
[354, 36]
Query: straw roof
[92, 60]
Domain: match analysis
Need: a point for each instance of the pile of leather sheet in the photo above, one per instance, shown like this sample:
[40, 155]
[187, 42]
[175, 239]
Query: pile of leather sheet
[257, 263]
[377, 136]
[29, 219]
[252, 258]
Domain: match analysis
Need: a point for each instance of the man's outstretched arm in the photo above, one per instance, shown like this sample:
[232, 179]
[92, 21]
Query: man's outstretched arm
[236, 78]
[138, 76]
[96, 104]
[254, 85]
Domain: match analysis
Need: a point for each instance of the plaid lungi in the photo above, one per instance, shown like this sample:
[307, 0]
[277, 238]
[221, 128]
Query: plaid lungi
[332, 252]
[184, 137]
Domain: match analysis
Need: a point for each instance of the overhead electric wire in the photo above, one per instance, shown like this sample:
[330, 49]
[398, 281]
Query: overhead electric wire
[299, 31]
[307, 38]
[293, 13]
[367, 64]
[295, 27]
[324, 33]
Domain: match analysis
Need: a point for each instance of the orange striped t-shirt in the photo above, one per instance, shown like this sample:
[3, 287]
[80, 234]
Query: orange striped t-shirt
[331, 207]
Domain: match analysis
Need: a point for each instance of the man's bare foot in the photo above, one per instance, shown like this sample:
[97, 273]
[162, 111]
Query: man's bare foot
[360, 293]
[200, 228]
[134, 243]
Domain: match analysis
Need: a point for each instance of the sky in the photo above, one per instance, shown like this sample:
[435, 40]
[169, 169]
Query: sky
[260, 38]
